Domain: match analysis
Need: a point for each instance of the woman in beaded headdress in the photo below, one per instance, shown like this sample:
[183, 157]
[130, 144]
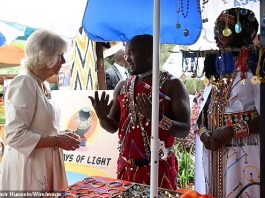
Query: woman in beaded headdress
[130, 115]
[229, 128]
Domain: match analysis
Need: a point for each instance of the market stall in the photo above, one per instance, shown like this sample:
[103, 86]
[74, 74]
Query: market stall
[122, 36]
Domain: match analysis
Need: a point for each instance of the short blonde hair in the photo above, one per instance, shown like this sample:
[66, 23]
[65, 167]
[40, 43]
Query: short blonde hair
[43, 48]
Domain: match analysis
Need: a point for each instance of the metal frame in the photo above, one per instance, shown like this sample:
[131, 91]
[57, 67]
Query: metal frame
[262, 104]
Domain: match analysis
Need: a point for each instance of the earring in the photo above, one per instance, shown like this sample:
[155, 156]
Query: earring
[238, 24]
[227, 31]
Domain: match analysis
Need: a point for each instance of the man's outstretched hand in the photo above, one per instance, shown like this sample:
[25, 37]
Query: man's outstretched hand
[101, 105]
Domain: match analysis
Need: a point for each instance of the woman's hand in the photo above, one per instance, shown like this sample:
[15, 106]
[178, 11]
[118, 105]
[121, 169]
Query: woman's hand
[209, 142]
[71, 134]
[101, 105]
[68, 140]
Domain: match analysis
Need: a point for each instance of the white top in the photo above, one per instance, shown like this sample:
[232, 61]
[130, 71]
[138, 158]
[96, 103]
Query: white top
[29, 116]
[244, 97]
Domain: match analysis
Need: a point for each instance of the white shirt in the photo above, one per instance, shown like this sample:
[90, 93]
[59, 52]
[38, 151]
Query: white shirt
[122, 71]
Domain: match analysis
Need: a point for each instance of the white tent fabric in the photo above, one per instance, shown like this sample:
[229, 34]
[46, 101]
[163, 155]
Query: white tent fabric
[10, 32]
[60, 16]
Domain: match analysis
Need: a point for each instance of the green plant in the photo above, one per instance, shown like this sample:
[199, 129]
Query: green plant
[193, 85]
[186, 163]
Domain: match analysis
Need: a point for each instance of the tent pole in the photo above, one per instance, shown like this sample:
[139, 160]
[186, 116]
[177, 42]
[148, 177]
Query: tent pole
[262, 104]
[100, 66]
[155, 142]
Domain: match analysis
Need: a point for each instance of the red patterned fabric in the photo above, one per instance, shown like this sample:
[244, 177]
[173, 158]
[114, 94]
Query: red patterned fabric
[132, 143]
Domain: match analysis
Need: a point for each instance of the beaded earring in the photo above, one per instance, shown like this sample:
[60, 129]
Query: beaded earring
[226, 31]
[238, 24]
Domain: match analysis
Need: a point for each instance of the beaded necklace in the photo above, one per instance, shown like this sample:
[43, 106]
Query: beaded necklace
[185, 16]
[219, 98]
[141, 76]
[135, 118]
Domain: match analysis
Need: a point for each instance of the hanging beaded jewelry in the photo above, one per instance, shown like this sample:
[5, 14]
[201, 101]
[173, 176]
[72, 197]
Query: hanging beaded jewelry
[178, 25]
[185, 62]
[242, 62]
[199, 71]
[135, 118]
[219, 99]
[203, 12]
[185, 16]
[238, 24]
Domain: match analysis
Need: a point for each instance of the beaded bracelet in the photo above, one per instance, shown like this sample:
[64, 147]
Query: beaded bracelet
[114, 191]
[240, 129]
[97, 184]
[115, 184]
[165, 123]
[82, 191]
[89, 180]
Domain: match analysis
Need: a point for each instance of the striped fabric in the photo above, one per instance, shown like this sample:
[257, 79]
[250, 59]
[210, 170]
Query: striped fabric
[83, 68]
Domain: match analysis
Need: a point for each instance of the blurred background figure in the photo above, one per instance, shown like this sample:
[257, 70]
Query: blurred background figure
[117, 71]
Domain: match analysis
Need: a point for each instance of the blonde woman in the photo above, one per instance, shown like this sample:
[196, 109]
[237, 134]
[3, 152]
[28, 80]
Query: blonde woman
[33, 158]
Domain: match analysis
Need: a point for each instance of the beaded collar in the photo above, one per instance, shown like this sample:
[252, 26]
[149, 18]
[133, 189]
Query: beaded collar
[141, 76]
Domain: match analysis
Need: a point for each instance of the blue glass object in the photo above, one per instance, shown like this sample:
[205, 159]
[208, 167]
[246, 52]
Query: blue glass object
[238, 28]
[243, 11]
[186, 32]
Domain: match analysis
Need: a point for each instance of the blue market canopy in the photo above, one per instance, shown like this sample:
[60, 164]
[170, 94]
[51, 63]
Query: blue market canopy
[119, 20]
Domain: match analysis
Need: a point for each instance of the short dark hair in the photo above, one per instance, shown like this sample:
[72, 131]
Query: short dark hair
[146, 40]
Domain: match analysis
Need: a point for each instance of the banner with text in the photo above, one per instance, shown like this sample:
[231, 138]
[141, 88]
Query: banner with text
[98, 154]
